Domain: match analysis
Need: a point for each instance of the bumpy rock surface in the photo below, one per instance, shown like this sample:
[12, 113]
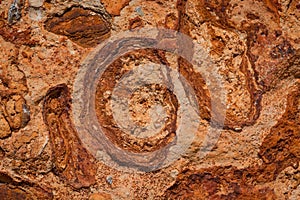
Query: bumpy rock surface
[253, 151]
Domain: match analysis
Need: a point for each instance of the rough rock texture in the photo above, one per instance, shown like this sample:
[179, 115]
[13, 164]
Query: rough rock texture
[114, 7]
[71, 161]
[141, 101]
[81, 26]
[253, 153]
[279, 150]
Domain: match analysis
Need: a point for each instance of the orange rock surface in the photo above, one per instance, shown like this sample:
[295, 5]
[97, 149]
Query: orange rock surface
[103, 99]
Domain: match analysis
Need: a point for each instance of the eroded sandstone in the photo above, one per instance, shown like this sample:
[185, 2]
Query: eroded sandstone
[83, 26]
[253, 153]
[71, 161]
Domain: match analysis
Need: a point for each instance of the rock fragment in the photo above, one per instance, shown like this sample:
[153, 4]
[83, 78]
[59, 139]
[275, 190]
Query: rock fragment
[72, 162]
[82, 26]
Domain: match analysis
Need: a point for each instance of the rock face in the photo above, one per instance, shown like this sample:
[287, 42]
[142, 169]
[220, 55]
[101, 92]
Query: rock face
[208, 183]
[176, 99]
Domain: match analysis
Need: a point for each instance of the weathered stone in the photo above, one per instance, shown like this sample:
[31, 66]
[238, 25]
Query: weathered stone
[4, 127]
[100, 196]
[14, 111]
[71, 161]
[17, 37]
[252, 151]
[12, 188]
[240, 183]
[82, 26]
[36, 3]
[114, 7]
